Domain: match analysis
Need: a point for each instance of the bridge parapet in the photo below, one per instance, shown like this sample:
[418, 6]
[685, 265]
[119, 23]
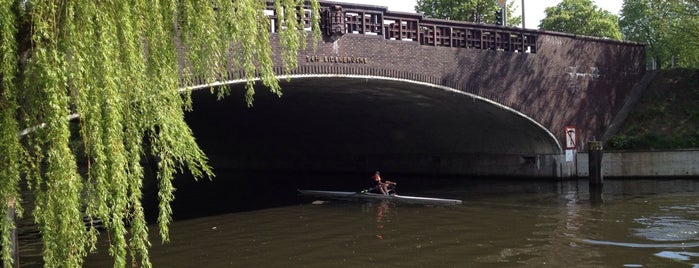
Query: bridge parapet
[342, 18]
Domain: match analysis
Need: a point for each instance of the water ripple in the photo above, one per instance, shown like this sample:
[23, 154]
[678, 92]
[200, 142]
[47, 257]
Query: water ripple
[641, 245]
[668, 228]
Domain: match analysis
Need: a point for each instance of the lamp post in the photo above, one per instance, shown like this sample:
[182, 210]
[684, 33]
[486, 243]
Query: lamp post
[523, 15]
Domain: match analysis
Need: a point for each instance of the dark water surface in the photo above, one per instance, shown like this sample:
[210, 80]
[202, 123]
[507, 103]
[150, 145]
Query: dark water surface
[256, 220]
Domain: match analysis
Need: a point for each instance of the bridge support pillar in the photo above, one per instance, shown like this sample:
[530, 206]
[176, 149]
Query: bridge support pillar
[595, 162]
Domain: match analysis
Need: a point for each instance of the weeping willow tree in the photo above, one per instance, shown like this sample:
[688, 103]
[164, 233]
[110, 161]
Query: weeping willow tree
[120, 66]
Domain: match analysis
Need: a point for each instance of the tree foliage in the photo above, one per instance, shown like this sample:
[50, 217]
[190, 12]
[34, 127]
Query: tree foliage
[117, 65]
[581, 17]
[669, 28]
[477, 11]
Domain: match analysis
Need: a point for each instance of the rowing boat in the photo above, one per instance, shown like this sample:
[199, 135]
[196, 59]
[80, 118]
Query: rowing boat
[373, 196]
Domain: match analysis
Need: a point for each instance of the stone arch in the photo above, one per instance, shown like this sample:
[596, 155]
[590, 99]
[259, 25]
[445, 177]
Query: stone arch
[325, 121]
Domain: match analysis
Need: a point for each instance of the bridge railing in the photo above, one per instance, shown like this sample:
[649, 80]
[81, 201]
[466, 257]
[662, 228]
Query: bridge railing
[338, 19]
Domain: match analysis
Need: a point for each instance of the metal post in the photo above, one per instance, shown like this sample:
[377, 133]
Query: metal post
[595, 162]
[523, 15]
[595, 170]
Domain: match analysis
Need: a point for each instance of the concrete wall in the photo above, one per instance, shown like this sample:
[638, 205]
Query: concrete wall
[644, 164]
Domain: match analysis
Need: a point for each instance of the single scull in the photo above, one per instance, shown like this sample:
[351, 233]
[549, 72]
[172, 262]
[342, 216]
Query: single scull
[374, 196]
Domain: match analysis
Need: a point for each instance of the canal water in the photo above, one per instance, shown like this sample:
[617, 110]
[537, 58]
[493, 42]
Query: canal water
[257, 220]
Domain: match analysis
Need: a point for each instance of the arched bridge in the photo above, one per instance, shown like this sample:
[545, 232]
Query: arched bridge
[403, 93]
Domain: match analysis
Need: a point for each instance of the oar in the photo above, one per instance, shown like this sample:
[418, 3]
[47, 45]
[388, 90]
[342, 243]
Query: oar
[370, 189]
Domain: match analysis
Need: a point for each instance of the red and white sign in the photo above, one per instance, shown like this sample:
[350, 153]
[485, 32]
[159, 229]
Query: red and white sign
[571, 142]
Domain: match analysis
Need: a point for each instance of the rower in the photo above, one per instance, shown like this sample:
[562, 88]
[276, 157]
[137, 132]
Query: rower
[383, 186]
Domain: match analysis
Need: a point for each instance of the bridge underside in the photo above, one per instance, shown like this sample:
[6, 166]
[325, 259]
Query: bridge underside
[361, 124]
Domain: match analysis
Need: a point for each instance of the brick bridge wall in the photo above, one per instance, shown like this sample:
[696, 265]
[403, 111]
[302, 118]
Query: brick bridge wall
[556, 79]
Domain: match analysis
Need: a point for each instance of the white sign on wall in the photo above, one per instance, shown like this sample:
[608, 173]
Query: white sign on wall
[570, 155]
[571, 143]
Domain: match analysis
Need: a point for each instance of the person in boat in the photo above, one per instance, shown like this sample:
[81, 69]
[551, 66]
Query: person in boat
[383, 186]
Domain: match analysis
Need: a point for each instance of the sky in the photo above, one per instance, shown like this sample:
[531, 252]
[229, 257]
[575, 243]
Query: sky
[534, 8]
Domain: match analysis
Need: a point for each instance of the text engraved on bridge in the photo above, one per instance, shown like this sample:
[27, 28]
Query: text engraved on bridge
[336, 59]
[575, 75]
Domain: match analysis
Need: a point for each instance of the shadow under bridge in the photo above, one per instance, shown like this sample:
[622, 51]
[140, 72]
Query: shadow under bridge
[361, 124]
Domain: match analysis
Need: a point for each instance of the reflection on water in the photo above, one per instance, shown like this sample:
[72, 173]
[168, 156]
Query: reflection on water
[668, 228]
[681, 257]
[382, 217]
[640, 245]
[513, 223]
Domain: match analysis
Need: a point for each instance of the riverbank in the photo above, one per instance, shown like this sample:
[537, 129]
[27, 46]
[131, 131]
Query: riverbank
[660, 135]
[665, 118]
[670, 163]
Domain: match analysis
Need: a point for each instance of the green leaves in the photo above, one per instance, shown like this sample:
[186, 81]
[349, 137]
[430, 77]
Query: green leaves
[478, 11]
[669, 28]
[119, 65]
[581, 17]
[10, 148]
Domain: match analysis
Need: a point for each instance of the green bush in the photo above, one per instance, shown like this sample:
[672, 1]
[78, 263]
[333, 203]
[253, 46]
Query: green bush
[620, 142]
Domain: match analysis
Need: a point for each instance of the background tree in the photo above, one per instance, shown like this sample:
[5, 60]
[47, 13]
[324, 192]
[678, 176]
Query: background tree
[581, 17]
[513, 19]
[477, 11]
[669, 28]
[116, 65]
